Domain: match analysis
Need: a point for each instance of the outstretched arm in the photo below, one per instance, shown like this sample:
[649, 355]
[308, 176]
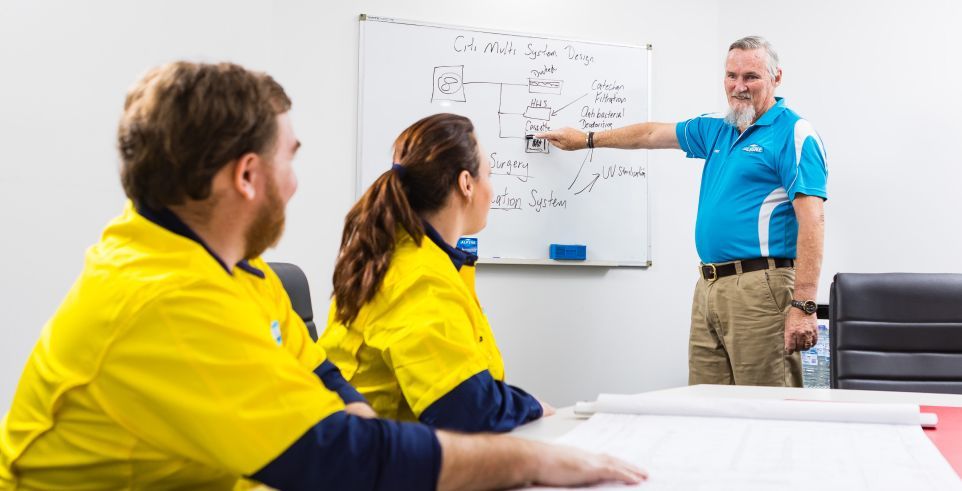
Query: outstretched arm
[641, 135]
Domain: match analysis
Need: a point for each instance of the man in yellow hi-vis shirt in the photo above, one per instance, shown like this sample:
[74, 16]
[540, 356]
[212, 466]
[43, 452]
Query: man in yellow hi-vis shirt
[176, 360]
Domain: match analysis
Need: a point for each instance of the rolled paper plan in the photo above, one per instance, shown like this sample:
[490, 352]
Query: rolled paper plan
[796, 410]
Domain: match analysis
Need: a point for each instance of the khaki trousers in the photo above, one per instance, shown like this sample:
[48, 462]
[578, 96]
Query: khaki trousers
[738, 330]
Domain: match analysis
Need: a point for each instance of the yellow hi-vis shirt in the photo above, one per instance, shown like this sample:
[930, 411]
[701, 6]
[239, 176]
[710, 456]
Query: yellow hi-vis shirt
[161, 368]
[421, 335]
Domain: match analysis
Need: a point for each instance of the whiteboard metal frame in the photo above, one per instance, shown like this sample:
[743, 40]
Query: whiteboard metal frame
[373, 18]
[556, 262]
[497, 260]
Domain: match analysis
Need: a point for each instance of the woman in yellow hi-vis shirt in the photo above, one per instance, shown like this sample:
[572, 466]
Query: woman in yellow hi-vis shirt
[405, 326]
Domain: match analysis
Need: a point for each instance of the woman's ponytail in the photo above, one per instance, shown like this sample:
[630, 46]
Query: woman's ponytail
[431, 154]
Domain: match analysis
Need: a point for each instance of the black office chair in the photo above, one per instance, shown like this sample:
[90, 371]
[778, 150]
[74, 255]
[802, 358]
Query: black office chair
[295, 282]
[897, 331]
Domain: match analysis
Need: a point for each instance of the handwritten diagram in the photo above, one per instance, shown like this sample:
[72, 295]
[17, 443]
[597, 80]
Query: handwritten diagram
[530, 107]
[513, 86]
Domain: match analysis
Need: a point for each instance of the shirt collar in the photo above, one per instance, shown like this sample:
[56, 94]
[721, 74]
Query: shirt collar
[458, 257]
[769, 117]
[171, 222]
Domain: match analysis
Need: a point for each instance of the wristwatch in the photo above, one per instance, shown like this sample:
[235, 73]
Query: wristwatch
[807, 306]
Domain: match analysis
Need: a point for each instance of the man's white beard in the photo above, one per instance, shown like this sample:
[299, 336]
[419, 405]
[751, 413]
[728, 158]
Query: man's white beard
[741, 118]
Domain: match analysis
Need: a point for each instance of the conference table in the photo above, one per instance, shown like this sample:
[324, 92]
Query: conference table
[945, 437]
[565, 419]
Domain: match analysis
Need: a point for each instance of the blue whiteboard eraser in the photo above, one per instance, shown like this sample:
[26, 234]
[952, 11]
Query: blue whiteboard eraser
[568, 252]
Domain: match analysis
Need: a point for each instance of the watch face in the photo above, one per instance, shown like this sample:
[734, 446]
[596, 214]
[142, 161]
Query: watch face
[808, 306]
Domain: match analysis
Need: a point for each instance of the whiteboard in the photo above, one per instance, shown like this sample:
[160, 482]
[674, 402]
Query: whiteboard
[512, 85]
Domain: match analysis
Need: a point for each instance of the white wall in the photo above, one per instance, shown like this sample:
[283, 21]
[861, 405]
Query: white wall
[883, 107]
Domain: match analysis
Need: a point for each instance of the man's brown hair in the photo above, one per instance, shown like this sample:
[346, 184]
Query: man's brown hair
[185, 121]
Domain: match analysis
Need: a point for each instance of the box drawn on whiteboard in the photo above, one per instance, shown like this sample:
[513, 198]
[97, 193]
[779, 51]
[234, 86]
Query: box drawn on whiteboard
[536, 145]
[542, 113]
[448, 84]
[541, 86]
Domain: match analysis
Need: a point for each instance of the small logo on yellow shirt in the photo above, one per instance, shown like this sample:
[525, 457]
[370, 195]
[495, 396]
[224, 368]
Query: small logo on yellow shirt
[276, 332]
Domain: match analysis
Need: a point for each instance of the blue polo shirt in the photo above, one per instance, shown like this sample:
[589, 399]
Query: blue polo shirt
[750, 180]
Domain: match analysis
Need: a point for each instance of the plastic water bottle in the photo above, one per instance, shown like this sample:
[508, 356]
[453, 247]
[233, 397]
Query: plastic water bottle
[809, 367]
[824, 355]
[816, 361]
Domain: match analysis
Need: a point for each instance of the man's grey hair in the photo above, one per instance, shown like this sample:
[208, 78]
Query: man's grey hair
[757, 42]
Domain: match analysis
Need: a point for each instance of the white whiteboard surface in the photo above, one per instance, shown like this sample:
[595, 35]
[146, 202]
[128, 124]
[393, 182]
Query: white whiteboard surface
[511, 85]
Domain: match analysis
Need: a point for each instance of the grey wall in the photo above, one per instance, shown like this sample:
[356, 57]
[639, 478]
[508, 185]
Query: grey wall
[879, 84]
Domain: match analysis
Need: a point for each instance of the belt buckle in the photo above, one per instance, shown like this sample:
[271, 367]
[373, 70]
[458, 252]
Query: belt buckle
[714, 272]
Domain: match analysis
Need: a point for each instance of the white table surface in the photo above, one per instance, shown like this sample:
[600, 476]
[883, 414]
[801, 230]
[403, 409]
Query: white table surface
[565, 420]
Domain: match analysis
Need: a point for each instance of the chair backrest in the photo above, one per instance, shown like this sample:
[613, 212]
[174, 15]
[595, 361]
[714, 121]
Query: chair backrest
[897, 331]
[295, 282]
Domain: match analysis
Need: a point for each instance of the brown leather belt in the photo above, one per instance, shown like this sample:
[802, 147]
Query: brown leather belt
[714, 271]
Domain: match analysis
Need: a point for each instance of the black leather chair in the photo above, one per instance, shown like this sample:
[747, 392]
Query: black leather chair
[897, 331]
[295, 282]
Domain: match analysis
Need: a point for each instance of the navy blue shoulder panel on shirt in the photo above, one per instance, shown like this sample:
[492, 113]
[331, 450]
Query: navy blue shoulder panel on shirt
[458, 257]
[344, 451]
[334, 381]
[482, 403]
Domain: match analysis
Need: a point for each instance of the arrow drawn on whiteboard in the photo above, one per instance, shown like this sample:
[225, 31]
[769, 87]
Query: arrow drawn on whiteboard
[591, 185]
[555, 112]
[588, 157]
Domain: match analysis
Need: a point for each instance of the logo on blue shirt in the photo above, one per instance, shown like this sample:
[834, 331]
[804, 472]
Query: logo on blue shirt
[753, 148]
[276, 332]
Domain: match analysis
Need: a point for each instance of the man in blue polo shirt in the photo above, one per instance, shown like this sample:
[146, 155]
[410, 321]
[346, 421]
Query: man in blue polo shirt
[760, 224]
